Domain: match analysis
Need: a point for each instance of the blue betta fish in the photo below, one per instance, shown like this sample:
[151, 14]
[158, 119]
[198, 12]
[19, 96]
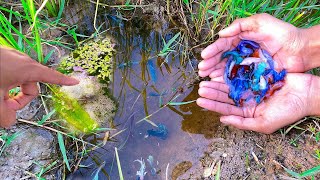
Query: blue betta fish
[161, 132]
[250, 73]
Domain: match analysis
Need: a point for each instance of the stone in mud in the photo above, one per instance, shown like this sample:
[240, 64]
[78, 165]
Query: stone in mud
[90, 94]
[31, 145]
[30, 110]
[180, 169]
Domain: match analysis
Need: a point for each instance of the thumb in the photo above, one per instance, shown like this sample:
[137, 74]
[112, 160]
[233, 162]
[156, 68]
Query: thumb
[7, 116]
[254, 124]
[239, 26]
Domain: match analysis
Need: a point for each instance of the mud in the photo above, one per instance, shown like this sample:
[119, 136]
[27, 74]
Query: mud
[31, 146]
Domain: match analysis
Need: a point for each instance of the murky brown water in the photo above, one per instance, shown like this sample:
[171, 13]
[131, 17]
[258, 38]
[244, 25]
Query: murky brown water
[134, 88]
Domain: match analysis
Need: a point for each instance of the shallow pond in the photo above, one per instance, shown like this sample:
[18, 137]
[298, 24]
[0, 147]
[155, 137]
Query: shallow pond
[143, 83]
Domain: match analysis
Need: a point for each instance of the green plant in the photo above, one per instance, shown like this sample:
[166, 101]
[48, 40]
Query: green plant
[6, 139]
[308, 173]
[55, 7]
[118, 164]
[44, 169]
[95, 57]
[71, 111]
[30, 12]
[63, 150]
[168, 47]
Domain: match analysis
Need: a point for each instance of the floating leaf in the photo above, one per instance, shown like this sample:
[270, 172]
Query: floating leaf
[70, 110]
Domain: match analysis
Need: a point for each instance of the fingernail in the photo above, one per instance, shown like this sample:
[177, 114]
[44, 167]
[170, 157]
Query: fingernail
[74, 81]
[224, 120]
[222, 32]
[200, 65]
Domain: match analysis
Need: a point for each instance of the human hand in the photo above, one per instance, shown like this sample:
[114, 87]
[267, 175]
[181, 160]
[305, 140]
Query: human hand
[17, 69]
[282, 40]
[299, 97]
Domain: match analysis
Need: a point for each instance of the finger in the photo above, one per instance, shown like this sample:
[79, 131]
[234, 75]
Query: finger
[209, 63]
[215, 95]
[215, 85]
[217, 73]
[221, 45]
[222, 108]
[219, 79]
[28, 92]
[205, 73]
[253, 124]
[238, 26]
[44, 74]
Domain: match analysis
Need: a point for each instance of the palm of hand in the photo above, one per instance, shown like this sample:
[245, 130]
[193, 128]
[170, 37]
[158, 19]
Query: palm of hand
[285, 50]
[285, 107]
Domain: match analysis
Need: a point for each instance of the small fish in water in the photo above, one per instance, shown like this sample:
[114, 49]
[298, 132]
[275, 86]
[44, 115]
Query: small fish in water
[142, 172]
[152, 165]
[161, 132]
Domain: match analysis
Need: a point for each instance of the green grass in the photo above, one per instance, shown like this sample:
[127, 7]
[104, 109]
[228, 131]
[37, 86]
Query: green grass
[202, 20]
[22, 30]
[118, 164]
[6, 139]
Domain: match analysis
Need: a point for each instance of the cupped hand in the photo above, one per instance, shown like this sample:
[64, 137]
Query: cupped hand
[282, 40]
[17, 69]
[292, 102]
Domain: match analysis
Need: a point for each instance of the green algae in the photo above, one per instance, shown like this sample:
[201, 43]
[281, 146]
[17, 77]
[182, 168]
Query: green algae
[72, 112]
[95, 57]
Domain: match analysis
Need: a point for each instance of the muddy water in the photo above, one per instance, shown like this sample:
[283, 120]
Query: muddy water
[137, 89]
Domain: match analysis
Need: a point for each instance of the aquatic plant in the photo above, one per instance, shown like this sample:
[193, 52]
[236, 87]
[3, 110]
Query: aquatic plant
[70, 110]
[95, 57]
[250, 73]
[168, 46]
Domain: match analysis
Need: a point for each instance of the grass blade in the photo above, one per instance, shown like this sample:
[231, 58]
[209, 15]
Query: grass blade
[48, 56]
[63, 150]
[217, 177]
[181, 103]
[311, 172]
[46, 117]
[118, 164]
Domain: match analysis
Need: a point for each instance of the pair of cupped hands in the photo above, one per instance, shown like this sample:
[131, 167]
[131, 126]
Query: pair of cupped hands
[288, 46]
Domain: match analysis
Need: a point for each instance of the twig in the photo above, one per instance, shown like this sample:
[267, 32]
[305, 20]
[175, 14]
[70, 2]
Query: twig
[54, 130]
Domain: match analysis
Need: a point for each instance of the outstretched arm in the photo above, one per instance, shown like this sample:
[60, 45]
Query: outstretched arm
[18, 69]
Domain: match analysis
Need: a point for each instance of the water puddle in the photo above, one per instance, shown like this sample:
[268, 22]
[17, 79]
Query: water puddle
[142, 84]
